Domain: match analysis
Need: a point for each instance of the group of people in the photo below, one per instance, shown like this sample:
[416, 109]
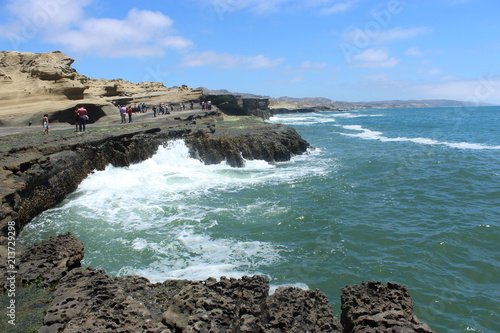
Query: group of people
[206, 105]
[160, 109]
[81, 114]
[81, 118]
[123, 113]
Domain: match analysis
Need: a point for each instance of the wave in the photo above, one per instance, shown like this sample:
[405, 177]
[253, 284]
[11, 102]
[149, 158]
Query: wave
[374, 135]
[196, 256]
[164, 210]
[297, 119]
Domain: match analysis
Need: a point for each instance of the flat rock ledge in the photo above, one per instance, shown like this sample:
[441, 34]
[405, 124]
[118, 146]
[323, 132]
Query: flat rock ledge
[83, 299]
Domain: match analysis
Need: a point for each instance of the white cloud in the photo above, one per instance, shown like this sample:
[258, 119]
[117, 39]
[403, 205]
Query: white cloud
[339, 7]
[360, 38]
[414, 52]
[64, 23]
[45, 14]
[481, 90]
[225, 60]
[36, 19]
[313, 66]
[374, 58]
[141, 33]
[387, 36]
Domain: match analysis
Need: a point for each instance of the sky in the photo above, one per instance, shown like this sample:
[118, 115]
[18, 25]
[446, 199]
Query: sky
[344, 50]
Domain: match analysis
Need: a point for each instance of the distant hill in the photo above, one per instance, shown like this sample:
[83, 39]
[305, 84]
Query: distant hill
[326, 102]
[207, 91]
[377, 104]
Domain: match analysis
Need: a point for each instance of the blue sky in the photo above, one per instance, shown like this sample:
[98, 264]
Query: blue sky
[345, 50]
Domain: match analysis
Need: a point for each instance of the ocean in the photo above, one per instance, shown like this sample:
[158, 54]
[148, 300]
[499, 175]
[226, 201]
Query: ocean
[410, 196]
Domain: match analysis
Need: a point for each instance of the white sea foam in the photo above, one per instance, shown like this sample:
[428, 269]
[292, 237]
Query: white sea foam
[165, 206]
[195, 256]
[375, 135]
[303, 119]
[317, 118]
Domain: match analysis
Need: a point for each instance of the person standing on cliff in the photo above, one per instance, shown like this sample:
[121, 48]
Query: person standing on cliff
[129, 111]
[45, 122]
[77, 119]
[82, 118]
[123, 113]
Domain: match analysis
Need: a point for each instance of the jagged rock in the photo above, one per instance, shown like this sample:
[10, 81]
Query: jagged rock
[88, 300]
[238, 106]
[296, 310]
[228, 305]
[48, 261]
[157, 297]
[35, 83]
[260, 143]
[373, 307]
[243, 305]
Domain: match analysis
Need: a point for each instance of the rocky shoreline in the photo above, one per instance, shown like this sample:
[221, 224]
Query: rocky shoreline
[37, 175]
[45, 289]
[82, 299]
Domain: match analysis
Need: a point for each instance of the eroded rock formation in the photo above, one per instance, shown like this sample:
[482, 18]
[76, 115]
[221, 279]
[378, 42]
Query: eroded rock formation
[254, 144]
[373, 307]
[238, 106]
[32, 84]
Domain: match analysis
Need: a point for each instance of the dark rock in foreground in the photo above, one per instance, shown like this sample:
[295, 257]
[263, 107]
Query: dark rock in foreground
[84, 299]
[373, 307]
[48, 261]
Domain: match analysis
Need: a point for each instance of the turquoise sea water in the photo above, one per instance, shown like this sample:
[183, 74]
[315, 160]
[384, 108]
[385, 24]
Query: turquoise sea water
[410, 196]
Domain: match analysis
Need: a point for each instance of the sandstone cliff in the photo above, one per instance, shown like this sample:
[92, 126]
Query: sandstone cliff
[32, 84]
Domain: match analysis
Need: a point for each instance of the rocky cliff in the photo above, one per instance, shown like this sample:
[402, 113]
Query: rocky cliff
[237, 106]
[32, 84]
[30, 81]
